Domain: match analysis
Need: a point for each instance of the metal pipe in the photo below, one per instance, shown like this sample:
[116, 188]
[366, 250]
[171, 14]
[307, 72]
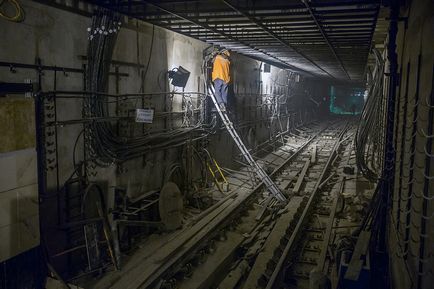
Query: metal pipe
[13, 65]
[275, 36]
[287, 64]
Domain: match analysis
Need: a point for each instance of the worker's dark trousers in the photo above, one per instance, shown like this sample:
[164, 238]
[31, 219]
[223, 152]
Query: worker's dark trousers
[221, 91]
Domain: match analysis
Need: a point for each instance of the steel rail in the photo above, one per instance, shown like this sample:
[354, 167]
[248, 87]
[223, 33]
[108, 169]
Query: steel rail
[275, 277]
[209, 229]
[327, 235]
[227, 218]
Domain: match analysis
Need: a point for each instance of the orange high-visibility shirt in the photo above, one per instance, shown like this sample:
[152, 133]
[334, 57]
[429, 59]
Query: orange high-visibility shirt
[221, 69]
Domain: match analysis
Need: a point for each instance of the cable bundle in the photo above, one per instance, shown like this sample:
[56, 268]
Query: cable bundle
[106, 146]
[369, 139]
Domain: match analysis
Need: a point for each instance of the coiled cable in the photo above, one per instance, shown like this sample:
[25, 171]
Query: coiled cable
[19, 12]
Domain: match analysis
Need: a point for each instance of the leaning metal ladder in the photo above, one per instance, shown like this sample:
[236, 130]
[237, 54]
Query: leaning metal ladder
[269, 184]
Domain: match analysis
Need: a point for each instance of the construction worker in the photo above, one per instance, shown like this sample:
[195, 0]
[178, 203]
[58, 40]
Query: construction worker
[221, 77]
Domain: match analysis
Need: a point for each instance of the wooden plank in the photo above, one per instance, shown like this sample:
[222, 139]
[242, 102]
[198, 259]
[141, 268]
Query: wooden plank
[327, 234]
[301, 177]
[235, 275]
[356, 262]
[264, 208]
[313, 157]
[284, 184]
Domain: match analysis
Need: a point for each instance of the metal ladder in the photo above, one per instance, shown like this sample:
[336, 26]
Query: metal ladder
[216, 173]
[269, 184]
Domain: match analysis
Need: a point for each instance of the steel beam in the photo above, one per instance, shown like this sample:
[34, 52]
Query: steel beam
[324, 35]
[270, 30]
[290, 66]
[275, 36]
[273, 16]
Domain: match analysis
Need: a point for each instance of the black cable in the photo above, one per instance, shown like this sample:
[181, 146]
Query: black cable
[106, 146]
[369, 140]
[74, 149]
[150, 52]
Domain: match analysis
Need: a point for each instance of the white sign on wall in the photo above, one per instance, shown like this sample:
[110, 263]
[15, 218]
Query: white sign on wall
[144, 115]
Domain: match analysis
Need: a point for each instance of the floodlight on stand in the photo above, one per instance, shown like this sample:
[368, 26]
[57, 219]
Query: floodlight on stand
[179, 76]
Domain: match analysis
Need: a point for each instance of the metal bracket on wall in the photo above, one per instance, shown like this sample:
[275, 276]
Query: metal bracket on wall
[40, 68]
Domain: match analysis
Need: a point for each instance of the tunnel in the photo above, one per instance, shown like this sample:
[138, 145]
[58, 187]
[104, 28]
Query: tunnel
[216, 144]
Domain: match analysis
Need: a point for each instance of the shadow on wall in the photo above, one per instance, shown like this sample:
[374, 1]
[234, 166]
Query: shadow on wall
[25, 271]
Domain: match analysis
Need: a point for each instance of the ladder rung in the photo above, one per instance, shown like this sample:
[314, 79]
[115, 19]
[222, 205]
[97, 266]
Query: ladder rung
[269, 184]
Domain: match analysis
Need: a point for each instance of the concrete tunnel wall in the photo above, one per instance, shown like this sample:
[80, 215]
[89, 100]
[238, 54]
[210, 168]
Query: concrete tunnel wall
[411, 227]
[59, 38]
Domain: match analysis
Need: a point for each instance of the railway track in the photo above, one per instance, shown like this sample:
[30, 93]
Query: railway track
[309, 266]
[247, 239]
[296, 254]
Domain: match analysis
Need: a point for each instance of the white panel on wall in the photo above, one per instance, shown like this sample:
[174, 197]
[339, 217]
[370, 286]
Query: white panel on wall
[18, 169]
[19, 204]
[19, 221]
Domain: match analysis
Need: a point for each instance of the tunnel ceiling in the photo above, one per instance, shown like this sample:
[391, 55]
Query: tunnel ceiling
[320, 38]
